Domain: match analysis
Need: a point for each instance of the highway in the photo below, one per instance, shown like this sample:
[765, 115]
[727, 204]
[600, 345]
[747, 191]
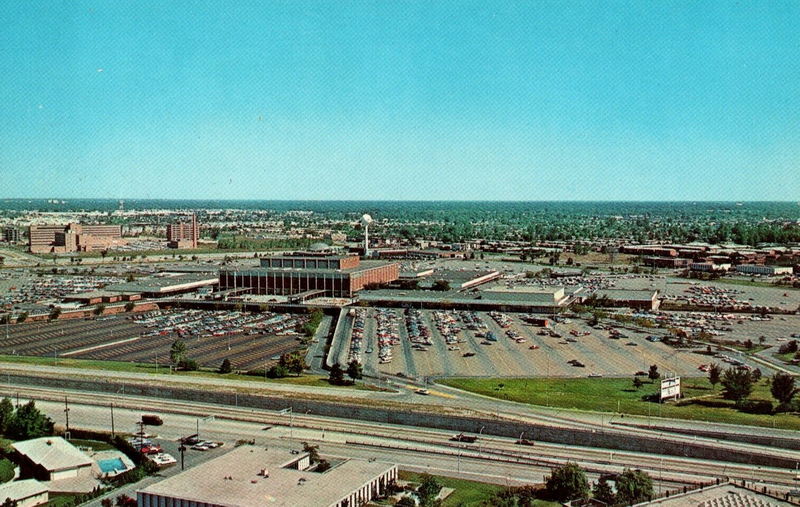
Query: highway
[494, 459]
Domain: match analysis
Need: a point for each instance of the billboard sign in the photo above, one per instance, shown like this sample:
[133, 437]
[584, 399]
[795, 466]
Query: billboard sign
[670, 388]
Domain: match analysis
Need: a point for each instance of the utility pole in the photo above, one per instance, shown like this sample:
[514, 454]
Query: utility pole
[66, 413]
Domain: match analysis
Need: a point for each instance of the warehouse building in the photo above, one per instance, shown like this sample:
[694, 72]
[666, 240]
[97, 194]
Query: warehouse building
[639, 299]
[764, 270]
[334, 275]
[248, 476]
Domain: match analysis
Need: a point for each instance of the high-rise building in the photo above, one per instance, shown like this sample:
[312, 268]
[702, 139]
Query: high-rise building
[11, 234]
[183, 234]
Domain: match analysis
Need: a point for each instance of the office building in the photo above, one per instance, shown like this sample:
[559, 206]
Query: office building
[73, 238]
[183, 234]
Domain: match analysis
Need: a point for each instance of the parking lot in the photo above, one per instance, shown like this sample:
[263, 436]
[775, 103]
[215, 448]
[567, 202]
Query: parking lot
[249, 341]
[443, 345]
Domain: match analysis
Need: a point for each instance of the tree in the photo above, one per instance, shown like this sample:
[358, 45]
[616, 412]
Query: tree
[653, 373]
[99, 309]
[428, 489]
[567, 482]
[714, 374]
[55, 313]
[756, 374]
[783, 389]
[28, 422]
[129, 306]
[354, 370]
[225, 367]
[6, 414]
[602, 491]
[336, 376]
[633, 486]
[738, 384]
[313, 452]
[187, 364]
[441, 285]
[637, 383]
[277, 371]
[293, 362]
[22, 317]
[323, 466]
[177, 351]
[406, 501]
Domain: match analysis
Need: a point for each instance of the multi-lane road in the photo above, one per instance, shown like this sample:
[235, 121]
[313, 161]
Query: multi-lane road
[491, 459]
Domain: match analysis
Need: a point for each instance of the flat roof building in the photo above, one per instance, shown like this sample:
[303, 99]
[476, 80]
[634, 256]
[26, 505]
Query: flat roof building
[640, 299]
[183, 234]
[335, 275]
[248, 476]
[548, 296]
[73, 238]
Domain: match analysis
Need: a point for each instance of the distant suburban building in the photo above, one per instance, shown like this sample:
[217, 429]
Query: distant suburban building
[73, 238]
[764, 270]
[331, 274]
[183, 234]
[51, 459]
[11, 234]
[24, 493]
[639, 299]
[248, 476]
[708, 266]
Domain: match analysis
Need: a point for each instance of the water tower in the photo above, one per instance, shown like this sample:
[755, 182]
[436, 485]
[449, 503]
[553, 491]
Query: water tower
[365, 221]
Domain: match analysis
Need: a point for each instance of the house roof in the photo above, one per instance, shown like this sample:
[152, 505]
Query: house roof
[20, 490]
[52, 453]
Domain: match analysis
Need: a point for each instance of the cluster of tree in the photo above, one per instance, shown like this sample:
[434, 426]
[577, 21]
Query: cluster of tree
[354, 370]
[310, 327]
[291, 363]
[178, 356]
[24, 422]
[738, 384]
[245, 243]
[427, 491]
[569, 483]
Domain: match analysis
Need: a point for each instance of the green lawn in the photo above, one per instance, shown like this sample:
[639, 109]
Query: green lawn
[305, 380]
[785, 357]
[753, 283]
[6, 470]
[467, 493]
[61, 500]
[611, 394]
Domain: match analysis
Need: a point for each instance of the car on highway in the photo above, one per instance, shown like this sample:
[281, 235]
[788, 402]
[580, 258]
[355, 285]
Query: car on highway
[424, 392]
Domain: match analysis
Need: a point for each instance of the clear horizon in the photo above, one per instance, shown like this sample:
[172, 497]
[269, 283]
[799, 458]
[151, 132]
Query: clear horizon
[419, 101]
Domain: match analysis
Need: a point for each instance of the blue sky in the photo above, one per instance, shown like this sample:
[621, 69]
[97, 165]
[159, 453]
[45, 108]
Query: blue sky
[564, 100]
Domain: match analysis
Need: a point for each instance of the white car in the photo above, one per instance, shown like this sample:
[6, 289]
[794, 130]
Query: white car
[200, 447]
